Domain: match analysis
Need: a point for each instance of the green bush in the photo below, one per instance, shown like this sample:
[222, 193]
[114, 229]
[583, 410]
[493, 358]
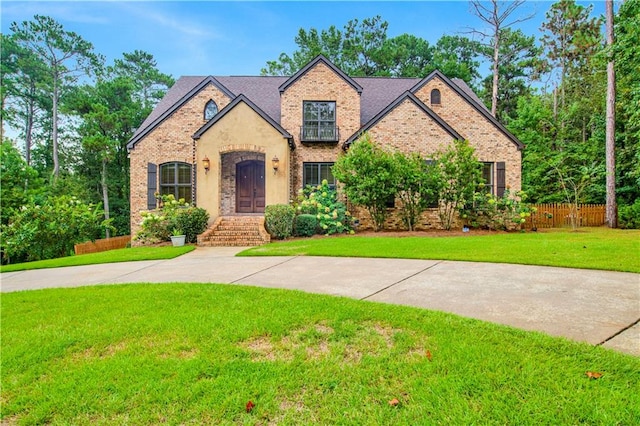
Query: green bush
[629, 216]
[191, 222]
[50, 229]
[322, 202]
[305, 225]
[158, 225]
[278, 220]
[488, 211]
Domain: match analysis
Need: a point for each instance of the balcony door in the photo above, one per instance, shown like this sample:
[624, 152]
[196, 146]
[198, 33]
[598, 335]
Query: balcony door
[250, 192]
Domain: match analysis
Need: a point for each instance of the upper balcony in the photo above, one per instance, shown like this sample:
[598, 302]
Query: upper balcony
[325, 133]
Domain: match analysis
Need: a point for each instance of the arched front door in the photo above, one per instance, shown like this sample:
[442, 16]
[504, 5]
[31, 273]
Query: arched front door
[250, 187]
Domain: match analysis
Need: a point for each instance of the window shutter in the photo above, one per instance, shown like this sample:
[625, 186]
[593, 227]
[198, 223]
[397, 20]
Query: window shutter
[500, 178]
[152, 185]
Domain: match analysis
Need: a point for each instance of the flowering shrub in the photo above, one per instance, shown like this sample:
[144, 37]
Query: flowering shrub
[191, 221]
[322, 201]
[157, 225]
[490, 212]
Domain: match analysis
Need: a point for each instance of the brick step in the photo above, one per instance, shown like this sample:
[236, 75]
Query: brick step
[249, 233]
[239, 228]
[235, 231]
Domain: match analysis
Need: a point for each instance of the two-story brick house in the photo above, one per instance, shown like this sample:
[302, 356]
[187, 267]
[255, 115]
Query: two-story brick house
[235, 144]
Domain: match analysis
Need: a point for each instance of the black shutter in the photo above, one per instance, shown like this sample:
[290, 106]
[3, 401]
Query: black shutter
[500, 178]
[152, 185]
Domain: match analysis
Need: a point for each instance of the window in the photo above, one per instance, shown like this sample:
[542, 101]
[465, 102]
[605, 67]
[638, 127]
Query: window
[487, 175]
[175, 178]
[319, 122]
[314, 173]
[210, 110]
[435, 97]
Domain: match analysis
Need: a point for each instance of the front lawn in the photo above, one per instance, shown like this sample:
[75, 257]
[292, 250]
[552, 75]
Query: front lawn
[111, 256]
[589, 248]
[198, 353]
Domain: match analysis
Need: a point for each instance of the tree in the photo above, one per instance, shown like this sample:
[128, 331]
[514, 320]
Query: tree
[611, 213]
[67, 56]
[457, 173]
[518, 65]
[368, 178]
[570, 38]
[497, 15]
[416, 186]
[627, 67]
[149, 83]
[457, 57]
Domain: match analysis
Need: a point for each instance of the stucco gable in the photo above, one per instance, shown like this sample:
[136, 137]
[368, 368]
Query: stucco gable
[465, 92]
[243, 99]
[320, 59]
[405, 96]
[176, 97]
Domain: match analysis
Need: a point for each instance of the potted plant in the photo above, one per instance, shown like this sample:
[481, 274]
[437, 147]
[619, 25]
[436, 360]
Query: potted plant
[177, 237]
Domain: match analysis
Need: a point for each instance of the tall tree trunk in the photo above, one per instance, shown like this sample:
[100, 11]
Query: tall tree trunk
[494, 89]
[54, 133]
[105, 195]
[610, 156]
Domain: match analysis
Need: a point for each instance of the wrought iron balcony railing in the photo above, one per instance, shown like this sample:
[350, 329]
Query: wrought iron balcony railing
[319, 133]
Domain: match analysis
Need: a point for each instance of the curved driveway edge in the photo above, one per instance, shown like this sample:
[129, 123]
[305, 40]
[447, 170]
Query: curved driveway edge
[598, 307]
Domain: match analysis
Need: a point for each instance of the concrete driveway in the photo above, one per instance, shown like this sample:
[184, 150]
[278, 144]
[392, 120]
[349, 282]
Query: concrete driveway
[598, 307]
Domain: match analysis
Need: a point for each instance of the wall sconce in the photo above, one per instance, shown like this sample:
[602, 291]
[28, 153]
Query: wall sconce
[206, 164]
[275, 162]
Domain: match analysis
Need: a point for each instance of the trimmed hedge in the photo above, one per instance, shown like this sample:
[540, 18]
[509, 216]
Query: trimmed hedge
[305, 225]
[278, 219]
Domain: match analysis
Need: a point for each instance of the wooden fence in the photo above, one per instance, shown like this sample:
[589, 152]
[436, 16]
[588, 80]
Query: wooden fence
[561, 215]
[103, 245]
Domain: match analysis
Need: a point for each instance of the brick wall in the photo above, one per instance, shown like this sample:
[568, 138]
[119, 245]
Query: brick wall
[320, 83]
[170, 141]
[490, 143]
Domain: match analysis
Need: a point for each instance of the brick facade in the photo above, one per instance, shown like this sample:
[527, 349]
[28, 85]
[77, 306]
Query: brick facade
[407, 125]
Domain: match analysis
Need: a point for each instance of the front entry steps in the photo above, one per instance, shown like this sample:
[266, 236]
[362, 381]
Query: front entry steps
[235, 231]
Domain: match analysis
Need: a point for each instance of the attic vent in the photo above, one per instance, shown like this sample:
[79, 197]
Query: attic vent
[435, 97]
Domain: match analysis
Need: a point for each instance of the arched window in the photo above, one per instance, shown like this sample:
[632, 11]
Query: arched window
[175, 178]
[435, 97]
[210, 110]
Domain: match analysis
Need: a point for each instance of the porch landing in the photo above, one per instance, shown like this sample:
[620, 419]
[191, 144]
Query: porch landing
[235, 231]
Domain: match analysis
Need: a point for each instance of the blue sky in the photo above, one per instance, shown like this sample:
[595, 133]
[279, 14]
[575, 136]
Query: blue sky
[238, 38]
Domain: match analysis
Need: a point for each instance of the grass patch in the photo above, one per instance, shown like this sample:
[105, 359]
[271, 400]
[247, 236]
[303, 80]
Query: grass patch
[196, 354]
[111, 256]
[587, 248]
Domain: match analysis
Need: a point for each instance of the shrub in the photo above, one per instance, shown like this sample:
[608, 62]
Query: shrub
[368, 175]
[305, 225]
[490, 212]
[629, 216]
[50, 229]
[157, 225]
[322, 202]
[191, 222]
[279, 220]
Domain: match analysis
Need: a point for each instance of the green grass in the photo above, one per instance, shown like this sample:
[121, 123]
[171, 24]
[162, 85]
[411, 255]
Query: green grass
[111, 256]
[197, 353]
[588, 248]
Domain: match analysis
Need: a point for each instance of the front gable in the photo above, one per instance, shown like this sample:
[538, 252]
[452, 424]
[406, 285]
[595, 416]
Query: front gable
[459, 106]
[320, 59]
[181, 97]
[250, 112]
[407, 124]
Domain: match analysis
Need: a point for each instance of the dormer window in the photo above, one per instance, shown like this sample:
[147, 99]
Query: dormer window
[210, 110]
[435, 97]
[319, 123]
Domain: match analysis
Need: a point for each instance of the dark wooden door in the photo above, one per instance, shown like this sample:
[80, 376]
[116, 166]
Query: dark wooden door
[250, 187]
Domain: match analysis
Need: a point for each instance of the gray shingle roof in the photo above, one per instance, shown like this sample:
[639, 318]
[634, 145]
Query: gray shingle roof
[377, 94]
